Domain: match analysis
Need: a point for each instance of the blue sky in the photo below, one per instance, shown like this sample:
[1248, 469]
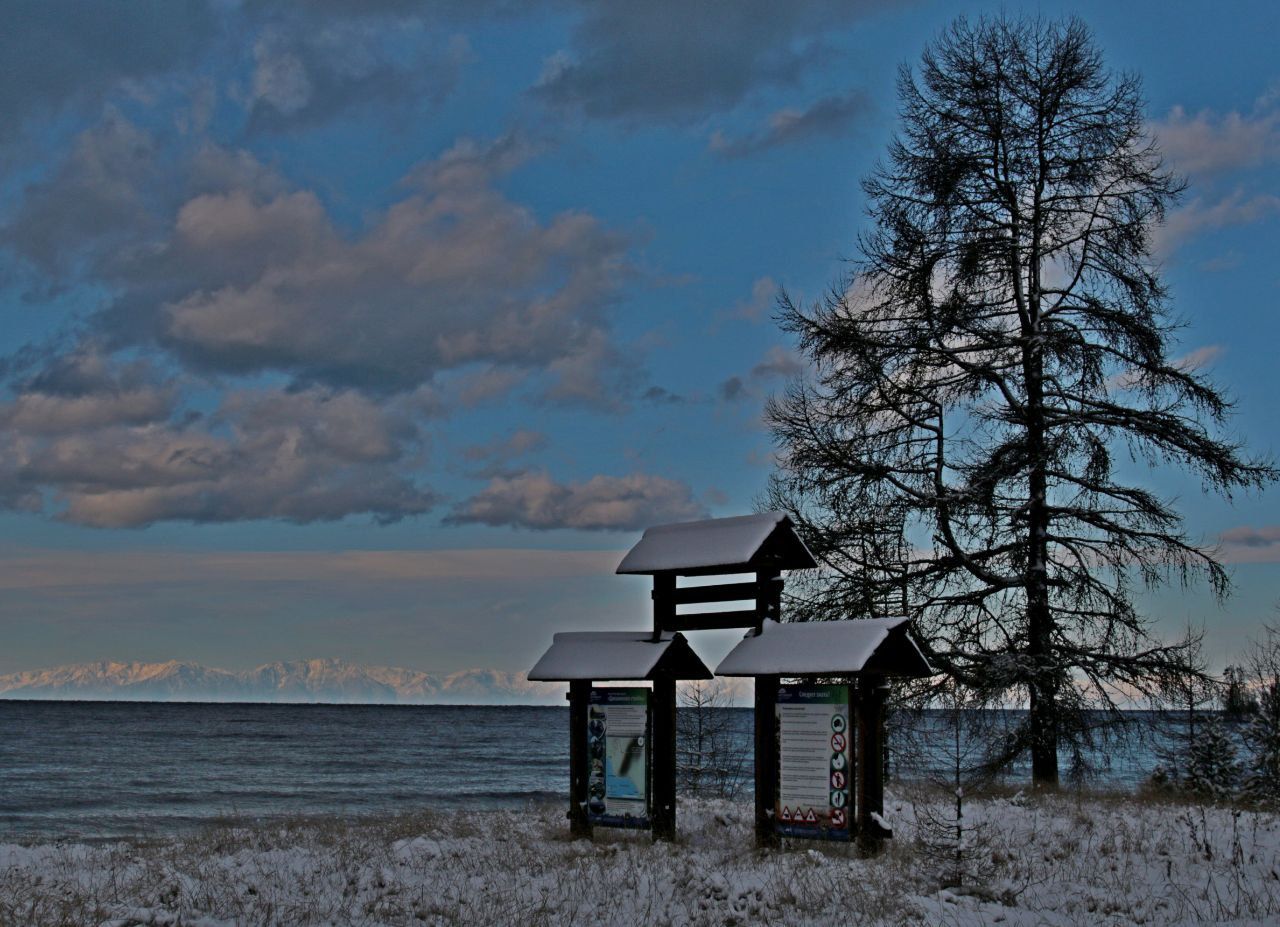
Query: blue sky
[379, 330]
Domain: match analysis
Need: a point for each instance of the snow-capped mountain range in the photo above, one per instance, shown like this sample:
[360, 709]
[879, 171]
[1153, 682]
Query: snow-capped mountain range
[288, 681]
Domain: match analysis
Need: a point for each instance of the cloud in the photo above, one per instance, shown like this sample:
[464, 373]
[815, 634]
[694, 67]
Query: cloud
[602, 503]
[307, 74]
[60, 54]
[109, 453]
[778, 362]
[494, 458]
[829, 117]
[85, 390]
[256, 276]
[674, 61]
[1247, 544]
[1199, 216]
[1209, 143]
[94, 201]
[764, 290]
[31, 568]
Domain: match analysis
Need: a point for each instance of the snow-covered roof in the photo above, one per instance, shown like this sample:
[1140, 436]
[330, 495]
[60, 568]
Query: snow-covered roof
[804, 648]
[617, 655]
[720, 545]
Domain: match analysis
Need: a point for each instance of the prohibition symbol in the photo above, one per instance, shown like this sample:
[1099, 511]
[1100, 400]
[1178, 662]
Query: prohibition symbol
[837, 780]
[838, 743]
[837, 817]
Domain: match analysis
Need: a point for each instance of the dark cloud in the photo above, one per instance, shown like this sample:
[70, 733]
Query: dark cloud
[305, 77]
[677, 61]
[777, 363]
[829, 117]
[60, 53]
[734, 389]
[1249, 536]
[494, 458]
[85, 390]
[660, 396]
[115, 457]
[602, 503]
[95, 201]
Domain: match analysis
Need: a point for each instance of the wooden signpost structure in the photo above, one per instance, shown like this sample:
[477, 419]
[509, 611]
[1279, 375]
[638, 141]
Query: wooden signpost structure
[764, 545]
[580, 658]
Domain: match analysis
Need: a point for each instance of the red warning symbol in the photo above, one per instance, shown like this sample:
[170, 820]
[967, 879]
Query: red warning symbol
[837, 780]
[786, 813]
[810, 817]
[837, 817]
[838, 743]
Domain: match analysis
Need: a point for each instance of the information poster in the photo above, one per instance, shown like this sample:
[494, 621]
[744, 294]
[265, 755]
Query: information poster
[814, 762]
[618, 754]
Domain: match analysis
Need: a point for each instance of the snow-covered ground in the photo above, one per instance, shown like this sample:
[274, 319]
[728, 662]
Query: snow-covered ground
[1054, 860]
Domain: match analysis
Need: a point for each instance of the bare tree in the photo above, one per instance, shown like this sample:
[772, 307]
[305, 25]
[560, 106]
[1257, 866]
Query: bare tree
[713, 745]
[999, 359]
[1262, 734]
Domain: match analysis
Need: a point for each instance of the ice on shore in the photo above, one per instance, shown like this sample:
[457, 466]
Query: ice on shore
[1061, 860]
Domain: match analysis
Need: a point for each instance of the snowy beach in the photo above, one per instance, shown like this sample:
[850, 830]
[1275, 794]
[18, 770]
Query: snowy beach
[1066, 859]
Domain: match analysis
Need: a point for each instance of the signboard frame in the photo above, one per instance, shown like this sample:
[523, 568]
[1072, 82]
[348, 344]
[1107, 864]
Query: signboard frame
[611, 759]
[815, 726]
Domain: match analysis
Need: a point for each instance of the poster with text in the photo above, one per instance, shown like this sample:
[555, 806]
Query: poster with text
[815, 766]
[618, 757]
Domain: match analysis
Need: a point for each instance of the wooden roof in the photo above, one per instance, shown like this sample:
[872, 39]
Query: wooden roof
[618, 655]
[828, 648]
[744, 544]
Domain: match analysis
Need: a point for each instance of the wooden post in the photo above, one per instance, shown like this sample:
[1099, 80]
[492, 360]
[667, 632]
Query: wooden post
[768, 597]
[664, 603]
[872, 694]
[766, 760]
[579, 763]
[663, 759]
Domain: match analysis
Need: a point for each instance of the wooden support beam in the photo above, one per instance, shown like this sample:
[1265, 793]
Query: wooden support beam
[663, 759]
[710, 621]
[766, 724]
[664, 603]
[769, 603]
[579, 703]
[872, 694]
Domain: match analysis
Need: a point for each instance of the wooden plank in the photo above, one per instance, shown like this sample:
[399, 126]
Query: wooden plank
[579, 703]
[711, 621]
[662, 757]
[766, 724]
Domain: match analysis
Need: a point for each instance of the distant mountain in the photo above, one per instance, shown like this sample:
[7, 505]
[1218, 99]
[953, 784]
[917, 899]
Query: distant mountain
[290, 681]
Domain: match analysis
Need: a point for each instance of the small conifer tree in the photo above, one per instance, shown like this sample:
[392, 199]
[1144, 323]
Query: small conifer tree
[1213, 769]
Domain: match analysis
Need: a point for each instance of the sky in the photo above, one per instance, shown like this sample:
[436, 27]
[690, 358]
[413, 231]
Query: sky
[380, 330]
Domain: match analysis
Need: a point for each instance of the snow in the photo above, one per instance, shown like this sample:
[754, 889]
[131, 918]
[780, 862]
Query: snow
[695, 545]
[1053, 860]
[608, 655]
[810, 647]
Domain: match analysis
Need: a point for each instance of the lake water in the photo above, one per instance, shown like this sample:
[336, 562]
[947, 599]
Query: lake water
[102, 769]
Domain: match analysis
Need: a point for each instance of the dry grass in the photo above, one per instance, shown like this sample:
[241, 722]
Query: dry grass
[1060, 859]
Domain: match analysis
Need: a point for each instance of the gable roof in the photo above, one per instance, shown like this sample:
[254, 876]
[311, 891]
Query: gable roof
[815, 648]
[618, 655]
[720, 545]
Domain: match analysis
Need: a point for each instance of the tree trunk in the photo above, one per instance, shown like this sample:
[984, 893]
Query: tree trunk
[1043, 682]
